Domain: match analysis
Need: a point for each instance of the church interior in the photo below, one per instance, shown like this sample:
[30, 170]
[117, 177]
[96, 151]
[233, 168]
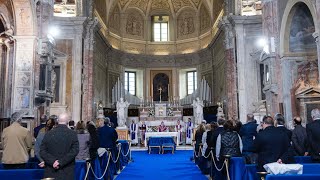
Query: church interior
[81, 57]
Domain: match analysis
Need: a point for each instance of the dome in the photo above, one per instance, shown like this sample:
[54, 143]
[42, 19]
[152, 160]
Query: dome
[186, 25]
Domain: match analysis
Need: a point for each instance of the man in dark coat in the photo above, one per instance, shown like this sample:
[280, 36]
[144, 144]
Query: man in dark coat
[280, 125]
[299, 138]
[271, 144]
[313, 135]
[107, 135]
[59, 148]
[248, 132]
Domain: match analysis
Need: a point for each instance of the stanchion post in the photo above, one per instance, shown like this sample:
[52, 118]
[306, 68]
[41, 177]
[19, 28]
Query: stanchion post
[227, 156]
[194, 150]
[262, 175]
[211, 164]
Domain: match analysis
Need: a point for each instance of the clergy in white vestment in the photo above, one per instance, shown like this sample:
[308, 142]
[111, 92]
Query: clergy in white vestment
[189, 131]
[178, 128]
[134, 132]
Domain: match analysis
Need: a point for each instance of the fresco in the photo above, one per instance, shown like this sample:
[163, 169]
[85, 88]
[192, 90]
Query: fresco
[160, 84]
[301, 30]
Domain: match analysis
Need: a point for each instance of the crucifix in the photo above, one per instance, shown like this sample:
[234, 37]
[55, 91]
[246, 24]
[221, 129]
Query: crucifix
[160, 89]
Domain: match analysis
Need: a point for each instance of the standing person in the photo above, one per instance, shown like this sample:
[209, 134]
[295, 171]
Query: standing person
[59, 148]
[198, 137]
[248, 132]
[313, 135]
[178, 128]
[271, 144]
[43, 121]
[17, 142]
[162, 127]
[83, 138]
[49, 125]
[94, 141]
[228, 142]
[134, 132]
[189, 131]
[204, 138]
[280, 125]
[299, 138]
[143, 130]
[107, 135]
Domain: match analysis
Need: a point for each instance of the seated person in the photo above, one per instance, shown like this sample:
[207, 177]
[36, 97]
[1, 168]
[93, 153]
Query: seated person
[162, 127]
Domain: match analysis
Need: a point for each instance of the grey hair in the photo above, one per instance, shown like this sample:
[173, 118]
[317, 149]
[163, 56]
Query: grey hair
[16, 117]
[107, 120]
[315, 113]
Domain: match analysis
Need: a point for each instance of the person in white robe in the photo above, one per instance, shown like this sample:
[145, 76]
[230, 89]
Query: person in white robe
[134, 133]
[179, 128]
[189, 131]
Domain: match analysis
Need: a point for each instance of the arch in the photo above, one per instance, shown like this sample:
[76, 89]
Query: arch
[286, 22]
[134, 9]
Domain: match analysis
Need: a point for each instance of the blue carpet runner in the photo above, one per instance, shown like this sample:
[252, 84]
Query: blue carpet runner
[161, 166]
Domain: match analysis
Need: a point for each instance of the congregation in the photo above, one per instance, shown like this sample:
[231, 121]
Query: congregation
[59, 143]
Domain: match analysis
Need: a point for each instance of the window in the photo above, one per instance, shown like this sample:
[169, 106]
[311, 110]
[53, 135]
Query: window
[191, 82]
[130, 82]
[160, 28]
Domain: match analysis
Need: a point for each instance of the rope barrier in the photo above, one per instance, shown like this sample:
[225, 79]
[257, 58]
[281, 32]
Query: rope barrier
[115, 161]
[109, 157]
[94, 174]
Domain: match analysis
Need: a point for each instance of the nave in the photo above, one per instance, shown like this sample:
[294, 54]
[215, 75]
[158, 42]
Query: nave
[161, 166]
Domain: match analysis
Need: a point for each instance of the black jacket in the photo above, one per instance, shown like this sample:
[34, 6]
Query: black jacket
[313, 134]
[247, 133]
[285, 130]
[230, 144]
[299, 140]
[60, 144]
[212, 139]
[108, 137]
[272, 144]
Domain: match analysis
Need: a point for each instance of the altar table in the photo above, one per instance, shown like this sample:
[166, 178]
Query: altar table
[161, 134]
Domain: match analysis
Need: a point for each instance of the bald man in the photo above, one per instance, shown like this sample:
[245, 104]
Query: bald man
[59, 148]
[299, 138]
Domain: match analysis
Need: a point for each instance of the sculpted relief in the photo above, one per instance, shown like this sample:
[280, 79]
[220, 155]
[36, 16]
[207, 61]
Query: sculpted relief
[141, 4]
[115, 20]
[160, 4]
[186, 24]
[134, 25]
[178, 4]
[204, 19]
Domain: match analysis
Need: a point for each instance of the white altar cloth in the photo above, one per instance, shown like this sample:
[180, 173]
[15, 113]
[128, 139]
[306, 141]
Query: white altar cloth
[161, 134]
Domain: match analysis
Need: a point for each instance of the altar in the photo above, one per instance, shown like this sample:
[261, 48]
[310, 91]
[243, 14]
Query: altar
[161, 134]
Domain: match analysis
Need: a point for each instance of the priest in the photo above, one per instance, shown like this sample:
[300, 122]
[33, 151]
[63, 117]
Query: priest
[134, 133]
[162, 127]
[189, 133]
[143, 129]
[178, 128]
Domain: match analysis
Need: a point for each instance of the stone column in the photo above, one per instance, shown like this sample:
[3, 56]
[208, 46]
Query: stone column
[88, 90]
[23, 75]
[231, 70]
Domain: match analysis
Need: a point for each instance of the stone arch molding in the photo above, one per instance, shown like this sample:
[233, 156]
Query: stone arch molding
[286, 21]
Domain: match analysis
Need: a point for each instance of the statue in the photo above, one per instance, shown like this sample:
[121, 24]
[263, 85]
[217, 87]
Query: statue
[121, 112]
[198, 110]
